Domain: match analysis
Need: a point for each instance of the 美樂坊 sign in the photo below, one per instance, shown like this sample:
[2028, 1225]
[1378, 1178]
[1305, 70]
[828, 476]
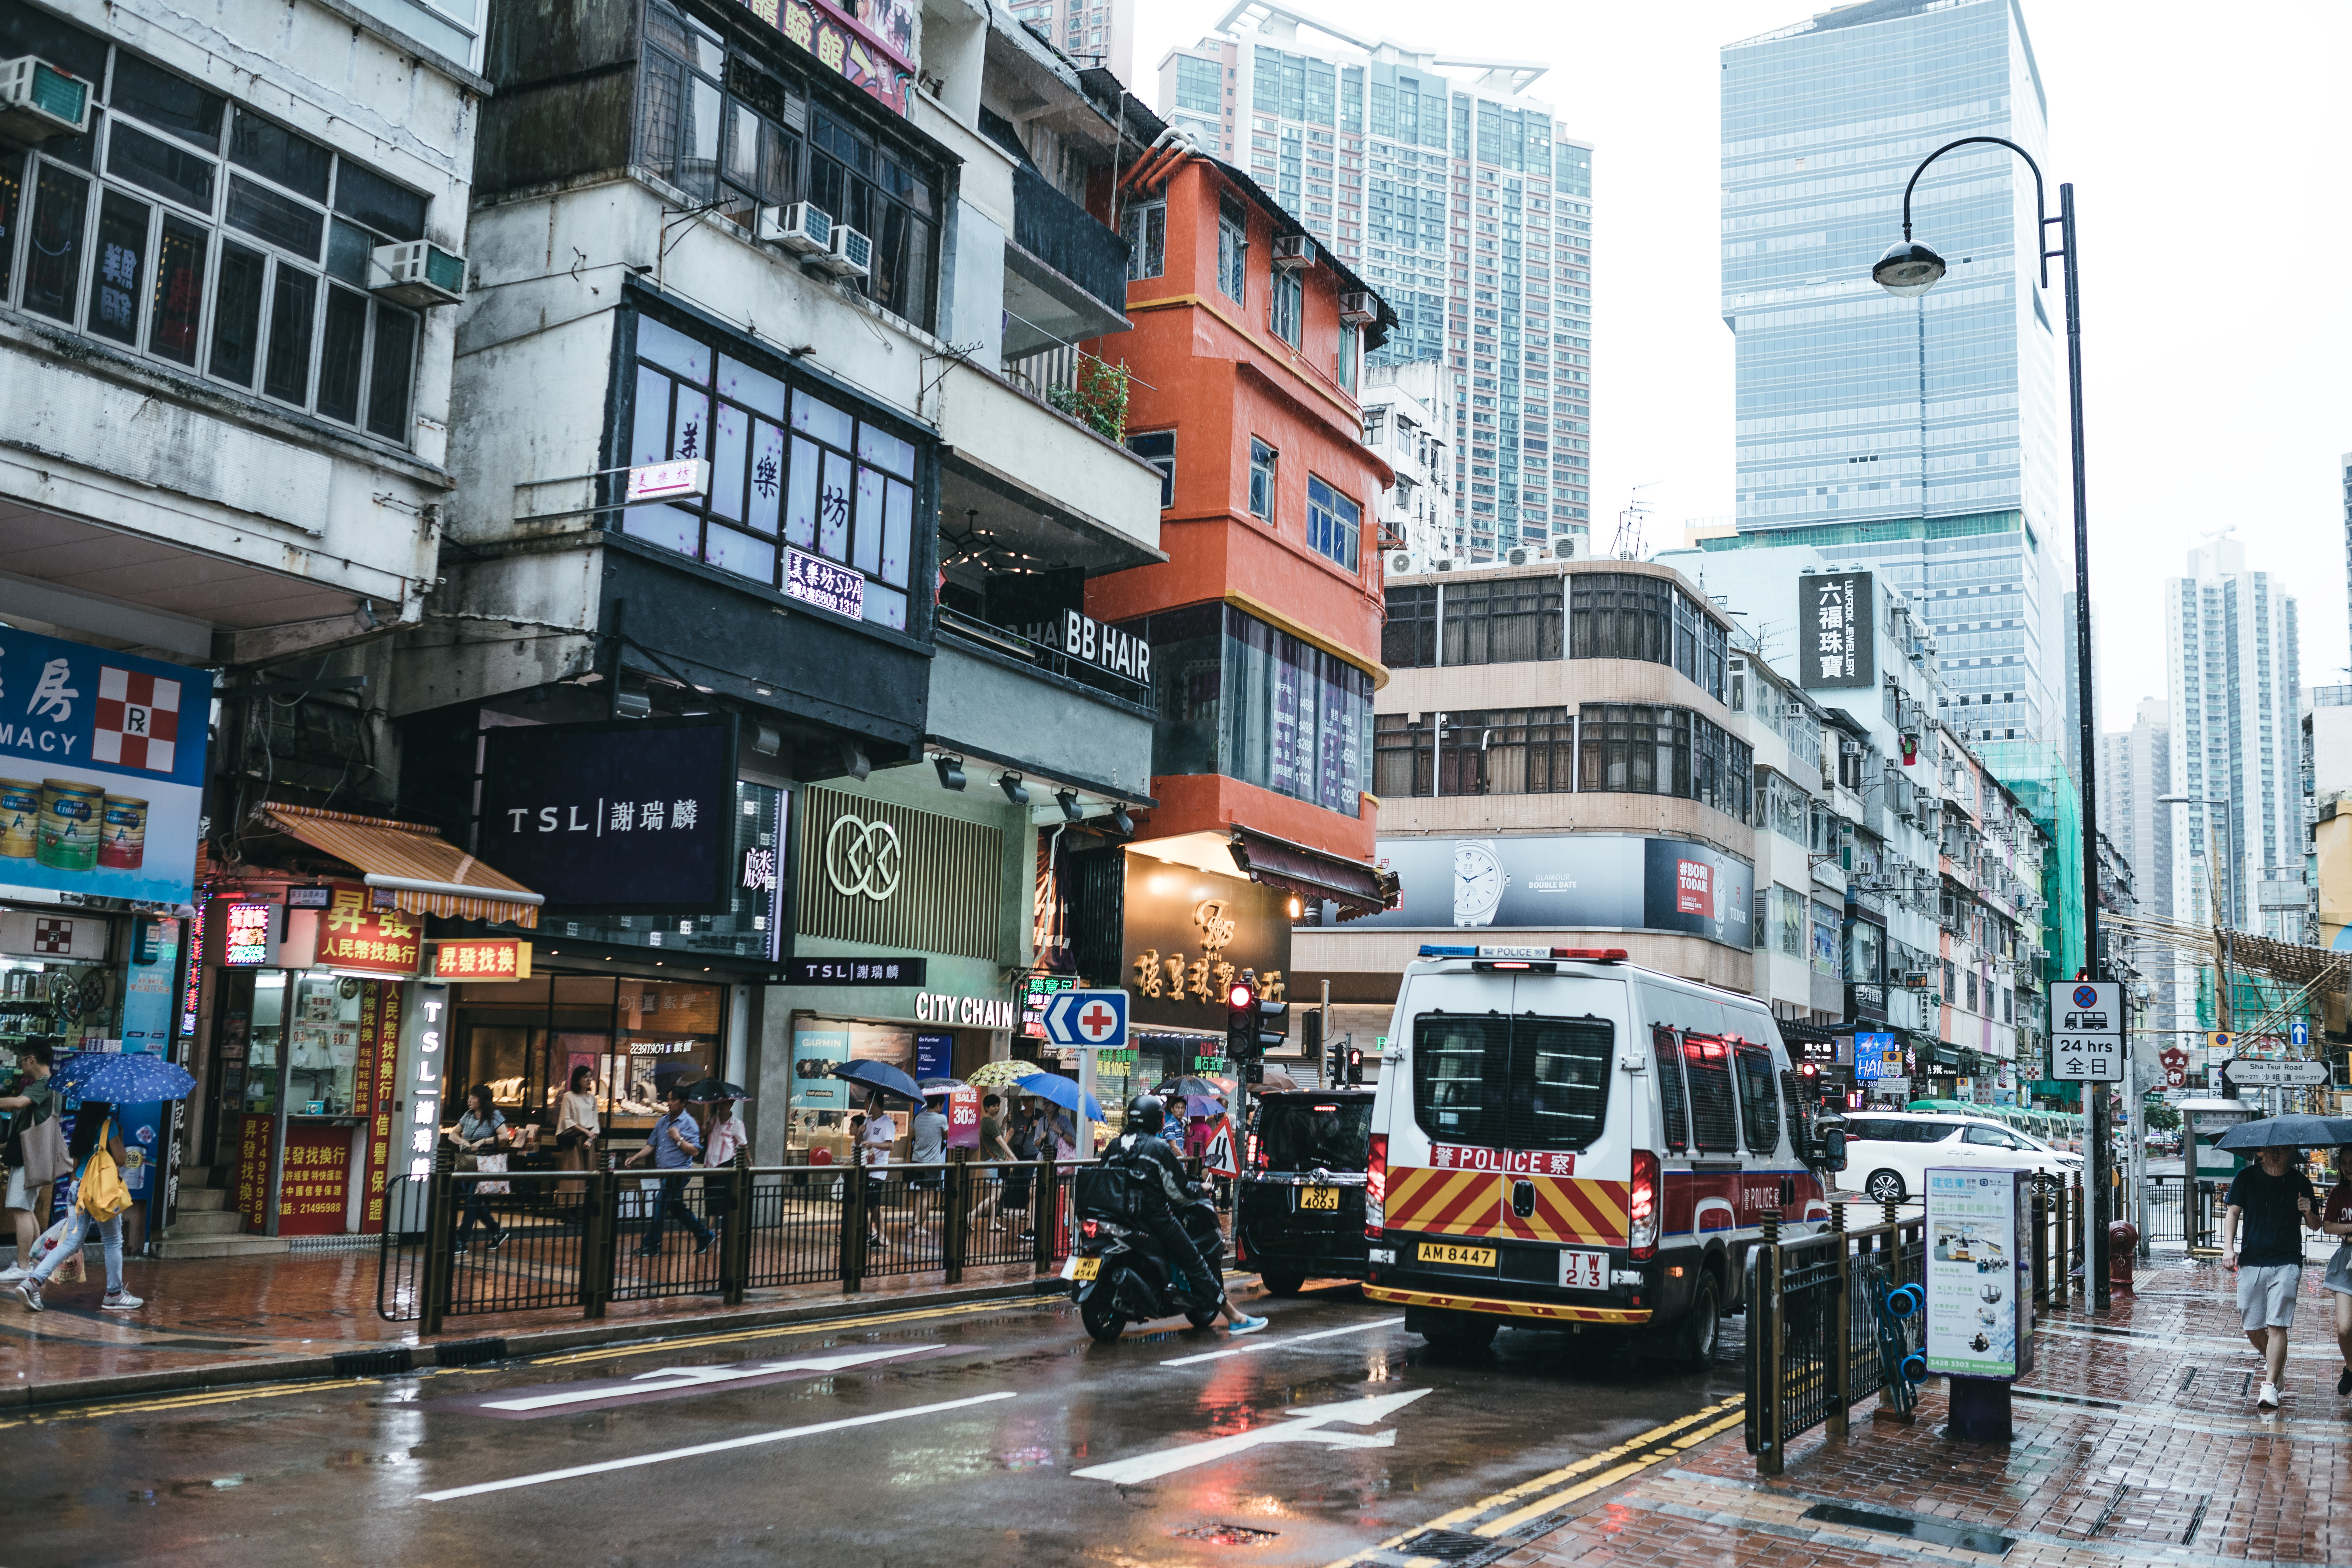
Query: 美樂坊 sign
[101, 769]
[631, 816]
[1188, 936]
[1836, 636]
[1583, 881]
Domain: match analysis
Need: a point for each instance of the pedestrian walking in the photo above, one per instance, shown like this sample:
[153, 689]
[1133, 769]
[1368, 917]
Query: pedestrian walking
[477, 1132]
[34, 1152]
[722, 1139]
[875, 1143]
[2336, 1221]
[576, 1128]
[994, 1148]
[675, 1145]
[2270, 1203]
[928, 1138]
[97, 1197]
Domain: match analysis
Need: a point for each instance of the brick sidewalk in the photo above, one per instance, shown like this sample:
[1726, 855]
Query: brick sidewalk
[2136, 1440]
[238, 1319]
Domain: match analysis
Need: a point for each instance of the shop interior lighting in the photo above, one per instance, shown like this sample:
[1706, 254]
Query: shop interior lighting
[950, 772]
[1068, 801]
[1010, 783]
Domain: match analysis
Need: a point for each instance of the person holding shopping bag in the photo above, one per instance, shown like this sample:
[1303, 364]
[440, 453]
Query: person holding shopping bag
[97, 1197]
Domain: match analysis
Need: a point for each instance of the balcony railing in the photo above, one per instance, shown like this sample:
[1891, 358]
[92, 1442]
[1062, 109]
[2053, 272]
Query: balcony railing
[1050, 660]
[1062, 235]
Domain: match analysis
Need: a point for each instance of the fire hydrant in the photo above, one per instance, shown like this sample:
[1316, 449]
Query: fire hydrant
[2123, 1250]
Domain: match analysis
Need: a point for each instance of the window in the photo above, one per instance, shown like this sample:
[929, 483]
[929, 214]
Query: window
[1335, 525]
[1502, 620]
[1347, 355]
[1375, 419]
[729, 132]
[1993, 1137]
[1521, 1082]
[794, 472]
[1158, 447]
[1261, 491]
[188, 231]
[1759, 1101]
[1408, 640]
[1714, 1116]
[1145, 229]
[1671, 1100]
[1289, 297]
[1197, 84]
[1232, 251]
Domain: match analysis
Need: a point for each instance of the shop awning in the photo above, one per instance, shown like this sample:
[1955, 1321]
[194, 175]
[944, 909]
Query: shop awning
[424, 872]
[1358, 889]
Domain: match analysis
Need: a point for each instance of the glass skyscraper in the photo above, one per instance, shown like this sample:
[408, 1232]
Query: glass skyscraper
[1924, 436]
[1464, 203]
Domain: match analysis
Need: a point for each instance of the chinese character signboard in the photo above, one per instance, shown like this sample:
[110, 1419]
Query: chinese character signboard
[253, 1137]
[627, 817]
[1979, 1286]
[355, 935]
[874, 51]
[101, 769]
[415, 1135]
[375, 1093]
[314, 1186]
[813, 580]
[857, 970]
[481, 958]
[1190, 934]
[1837, 641]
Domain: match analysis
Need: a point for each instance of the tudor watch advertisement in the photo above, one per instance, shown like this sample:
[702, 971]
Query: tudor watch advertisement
[1566, 882]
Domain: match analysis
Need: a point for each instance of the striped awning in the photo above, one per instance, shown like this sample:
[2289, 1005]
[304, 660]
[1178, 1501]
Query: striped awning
[424, 872]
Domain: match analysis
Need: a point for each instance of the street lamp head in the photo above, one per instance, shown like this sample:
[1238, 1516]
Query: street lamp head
[1908, 269]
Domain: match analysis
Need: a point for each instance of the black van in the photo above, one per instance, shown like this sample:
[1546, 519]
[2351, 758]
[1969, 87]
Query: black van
[1299, 1213]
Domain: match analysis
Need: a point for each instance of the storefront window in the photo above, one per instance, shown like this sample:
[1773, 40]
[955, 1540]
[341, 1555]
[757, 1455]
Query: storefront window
[635, 1038]
[668, 1034]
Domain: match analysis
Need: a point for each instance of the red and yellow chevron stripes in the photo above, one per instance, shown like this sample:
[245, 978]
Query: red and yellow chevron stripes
[1444, 1203]
[1568, 1209]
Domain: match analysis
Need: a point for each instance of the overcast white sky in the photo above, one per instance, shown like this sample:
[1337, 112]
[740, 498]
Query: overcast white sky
[2206, 157]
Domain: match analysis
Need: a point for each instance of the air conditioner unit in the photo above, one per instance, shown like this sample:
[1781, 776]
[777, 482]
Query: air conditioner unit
[1444, 565]
[418, 273]
[1518, 556]
[1564, 549]
[1293, 250]
[1360, 307]
[851, 255]
[802, 227]
[38, 101]
[1399, 561]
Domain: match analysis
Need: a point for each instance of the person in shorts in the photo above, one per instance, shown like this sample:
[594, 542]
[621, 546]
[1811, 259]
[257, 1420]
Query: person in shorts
[2336, 1221]
[2270, 1203]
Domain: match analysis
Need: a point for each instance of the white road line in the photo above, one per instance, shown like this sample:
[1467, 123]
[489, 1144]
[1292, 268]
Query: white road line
[1254, 1346]
[752, 1441]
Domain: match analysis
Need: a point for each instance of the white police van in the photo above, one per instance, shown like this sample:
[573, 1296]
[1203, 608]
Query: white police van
[1563, 1139]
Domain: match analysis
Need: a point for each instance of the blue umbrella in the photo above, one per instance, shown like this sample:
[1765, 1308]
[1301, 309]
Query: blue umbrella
[1062, 1091]
[123, 1080]
[881, 1076]
[2289, 1132]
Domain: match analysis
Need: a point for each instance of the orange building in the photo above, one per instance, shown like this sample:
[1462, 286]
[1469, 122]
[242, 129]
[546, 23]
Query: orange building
[1264, 622]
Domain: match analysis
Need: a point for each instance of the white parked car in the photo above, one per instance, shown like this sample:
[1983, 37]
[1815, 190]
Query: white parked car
[1888, 1151]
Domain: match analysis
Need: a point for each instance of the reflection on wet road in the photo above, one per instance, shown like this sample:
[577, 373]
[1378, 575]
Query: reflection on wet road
[968, 1436]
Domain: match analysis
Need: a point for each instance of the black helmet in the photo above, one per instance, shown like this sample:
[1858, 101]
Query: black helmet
[1146, 1114]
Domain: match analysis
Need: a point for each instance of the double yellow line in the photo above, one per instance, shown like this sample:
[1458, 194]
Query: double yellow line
[1593, 1473]
[188, 1401]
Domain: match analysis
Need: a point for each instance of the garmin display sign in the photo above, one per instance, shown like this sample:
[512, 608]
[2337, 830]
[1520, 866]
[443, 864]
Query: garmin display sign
[632, 816]
[1582, 881]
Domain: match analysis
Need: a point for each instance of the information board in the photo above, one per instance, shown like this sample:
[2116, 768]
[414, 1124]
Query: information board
[1979, 1287]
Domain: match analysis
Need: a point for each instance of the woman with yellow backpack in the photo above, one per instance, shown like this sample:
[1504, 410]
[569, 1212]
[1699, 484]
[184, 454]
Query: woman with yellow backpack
[96, 1197]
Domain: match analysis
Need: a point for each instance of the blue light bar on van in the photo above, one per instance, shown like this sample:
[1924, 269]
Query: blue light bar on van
[1428, 951]
[1586, 954]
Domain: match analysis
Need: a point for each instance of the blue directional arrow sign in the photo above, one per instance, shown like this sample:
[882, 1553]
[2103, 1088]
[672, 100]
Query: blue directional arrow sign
[2298, 1033]
[1092, 1018]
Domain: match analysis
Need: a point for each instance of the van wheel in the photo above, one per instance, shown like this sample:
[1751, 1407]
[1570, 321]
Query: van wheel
[1100, 1321]
[1461, 1332]
[1281, 1281]
[1883, 1187]
[1704, 1326]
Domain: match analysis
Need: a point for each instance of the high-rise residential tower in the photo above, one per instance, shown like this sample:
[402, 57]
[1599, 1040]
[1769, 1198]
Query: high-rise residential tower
[1925, 435]
[1091, 32]
[2134, 769]
[1464, 202]
[2231, 657]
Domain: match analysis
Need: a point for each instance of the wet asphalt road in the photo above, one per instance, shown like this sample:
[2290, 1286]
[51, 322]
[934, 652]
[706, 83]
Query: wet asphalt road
[957, 1437]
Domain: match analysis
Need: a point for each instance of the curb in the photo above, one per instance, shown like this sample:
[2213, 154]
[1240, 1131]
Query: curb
[398, 1360]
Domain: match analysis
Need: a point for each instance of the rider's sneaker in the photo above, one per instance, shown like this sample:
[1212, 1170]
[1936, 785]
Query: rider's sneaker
[1247, 1326]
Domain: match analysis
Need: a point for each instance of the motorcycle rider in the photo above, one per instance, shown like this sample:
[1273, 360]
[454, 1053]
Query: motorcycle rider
[1165, 1192]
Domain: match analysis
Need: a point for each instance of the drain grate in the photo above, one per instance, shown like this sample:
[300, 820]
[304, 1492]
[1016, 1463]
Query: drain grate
[1990, 1542]
[1458, 1546]
[469, 1352]
[1228, 1534]
[374, 1363]
[2152, 1515]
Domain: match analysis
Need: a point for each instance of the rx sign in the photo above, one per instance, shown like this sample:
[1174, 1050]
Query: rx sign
[1092, 1018]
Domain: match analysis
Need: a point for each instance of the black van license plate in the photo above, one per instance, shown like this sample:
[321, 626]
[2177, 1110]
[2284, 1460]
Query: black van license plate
[1319, 1198]
[1458, 1256]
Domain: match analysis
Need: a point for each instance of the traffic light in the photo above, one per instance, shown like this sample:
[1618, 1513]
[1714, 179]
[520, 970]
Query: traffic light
[1355, 1064]
[1272, 1025]
[1310, 1033]
[1241, 1017]
[1335, 1070]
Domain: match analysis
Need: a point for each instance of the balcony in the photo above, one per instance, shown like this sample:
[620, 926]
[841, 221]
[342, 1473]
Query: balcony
[1064, 273]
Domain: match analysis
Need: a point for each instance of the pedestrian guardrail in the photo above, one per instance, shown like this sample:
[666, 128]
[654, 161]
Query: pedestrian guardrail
[2184, 1208]
[462, 1244]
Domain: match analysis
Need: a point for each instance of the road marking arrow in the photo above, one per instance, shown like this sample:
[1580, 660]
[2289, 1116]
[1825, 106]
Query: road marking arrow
[1308, 1424]
[548, 1399]
[1258, 1347]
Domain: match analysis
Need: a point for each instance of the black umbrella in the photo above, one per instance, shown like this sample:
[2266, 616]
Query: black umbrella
[710, 1088]
[881, 1077]
[2288, 1133]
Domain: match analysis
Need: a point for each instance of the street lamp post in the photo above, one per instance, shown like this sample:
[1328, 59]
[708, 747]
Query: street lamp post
[1909, 270]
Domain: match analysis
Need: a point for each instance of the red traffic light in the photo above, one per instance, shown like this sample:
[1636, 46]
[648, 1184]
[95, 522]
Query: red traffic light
[1241, 998]
[1809, 1070]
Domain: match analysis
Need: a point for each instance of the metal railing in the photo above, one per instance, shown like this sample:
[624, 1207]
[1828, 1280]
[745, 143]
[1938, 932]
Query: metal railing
[1808, 1296]
[2184, 1208]
[462, 1244]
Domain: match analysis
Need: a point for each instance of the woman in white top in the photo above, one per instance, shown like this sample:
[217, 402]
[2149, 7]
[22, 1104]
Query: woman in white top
[874, 1146]
[577, 1127]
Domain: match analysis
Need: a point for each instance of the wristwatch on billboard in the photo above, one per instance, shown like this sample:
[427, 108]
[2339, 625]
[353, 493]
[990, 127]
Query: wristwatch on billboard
[1478, 882]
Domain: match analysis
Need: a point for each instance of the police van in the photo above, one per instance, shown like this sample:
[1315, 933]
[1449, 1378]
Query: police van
[1563, 1139]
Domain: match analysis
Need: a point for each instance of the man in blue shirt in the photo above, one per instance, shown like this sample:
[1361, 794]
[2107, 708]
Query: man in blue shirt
[676, 1144]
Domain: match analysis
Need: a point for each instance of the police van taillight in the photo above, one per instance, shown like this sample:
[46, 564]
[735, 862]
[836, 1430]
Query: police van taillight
[1642, 1200]
[1376, 1186]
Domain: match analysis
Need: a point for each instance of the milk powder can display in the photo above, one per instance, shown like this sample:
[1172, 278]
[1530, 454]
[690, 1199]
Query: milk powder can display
[20, 818]
[71, 823]
[123, 839]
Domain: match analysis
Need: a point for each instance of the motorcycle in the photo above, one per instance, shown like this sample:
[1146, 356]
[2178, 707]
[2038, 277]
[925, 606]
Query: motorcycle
[1119, 1272]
